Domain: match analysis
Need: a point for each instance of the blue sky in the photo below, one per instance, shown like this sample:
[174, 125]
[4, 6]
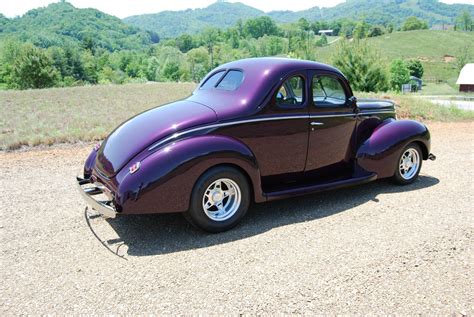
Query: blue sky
[122, 8]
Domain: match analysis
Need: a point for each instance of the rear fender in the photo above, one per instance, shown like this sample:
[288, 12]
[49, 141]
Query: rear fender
[166, 178]
[380, 152]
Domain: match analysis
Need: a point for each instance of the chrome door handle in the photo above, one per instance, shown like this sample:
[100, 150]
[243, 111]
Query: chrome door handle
[316, 123]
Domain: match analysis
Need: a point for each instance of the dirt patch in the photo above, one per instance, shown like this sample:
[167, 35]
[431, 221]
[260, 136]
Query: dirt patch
[449, 58]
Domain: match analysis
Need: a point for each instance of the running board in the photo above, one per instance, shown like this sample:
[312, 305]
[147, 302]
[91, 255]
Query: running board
[320, 187]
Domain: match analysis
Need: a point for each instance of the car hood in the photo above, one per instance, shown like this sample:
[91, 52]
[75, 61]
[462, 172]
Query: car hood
[139, 132]
[375, 105]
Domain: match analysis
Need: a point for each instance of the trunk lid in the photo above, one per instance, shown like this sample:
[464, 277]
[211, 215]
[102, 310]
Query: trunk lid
[139, 132]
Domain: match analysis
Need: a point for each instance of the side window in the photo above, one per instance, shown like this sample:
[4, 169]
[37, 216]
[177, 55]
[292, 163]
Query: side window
[328, 92]
[291, 93]
[231, 81]
[212, 81]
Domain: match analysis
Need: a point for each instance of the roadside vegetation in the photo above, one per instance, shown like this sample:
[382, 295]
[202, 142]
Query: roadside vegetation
[91, 47]
[68, 115]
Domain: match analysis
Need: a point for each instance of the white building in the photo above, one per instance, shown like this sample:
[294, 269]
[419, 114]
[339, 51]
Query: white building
[466, 78]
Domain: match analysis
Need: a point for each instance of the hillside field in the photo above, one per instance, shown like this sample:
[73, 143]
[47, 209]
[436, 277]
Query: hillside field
[437, 50]
[90, 113]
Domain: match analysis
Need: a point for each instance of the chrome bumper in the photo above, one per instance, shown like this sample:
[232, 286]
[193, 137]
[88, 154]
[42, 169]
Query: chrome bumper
[104, 207]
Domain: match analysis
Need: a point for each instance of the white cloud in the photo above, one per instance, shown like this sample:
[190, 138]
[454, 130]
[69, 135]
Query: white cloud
[124, 8]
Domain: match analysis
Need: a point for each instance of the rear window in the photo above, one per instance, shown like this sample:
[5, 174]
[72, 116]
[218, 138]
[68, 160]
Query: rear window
[231, 80]
[212, 81]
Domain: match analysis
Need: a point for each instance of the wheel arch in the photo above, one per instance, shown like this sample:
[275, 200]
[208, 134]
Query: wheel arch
[167, 177]
[241, 170]
[380, 151]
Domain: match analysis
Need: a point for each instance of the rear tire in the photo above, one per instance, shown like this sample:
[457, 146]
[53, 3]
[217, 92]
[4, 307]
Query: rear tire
[408, 165]
[219, 200]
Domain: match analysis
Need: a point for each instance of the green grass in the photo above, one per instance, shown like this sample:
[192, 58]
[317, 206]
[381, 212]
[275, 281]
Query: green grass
[432, 48]
[413, 107]
[66, 115]
[60, 115]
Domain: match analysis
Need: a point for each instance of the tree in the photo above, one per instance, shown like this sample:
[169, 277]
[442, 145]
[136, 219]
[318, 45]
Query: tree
[260, 26]
[464, 55]
[362, 65]
[184, 42]
[210, 37]
[399, 74]
[323, 41]
[198, 60]
[376, 30]
[33, 69]
[413, 23]
[415, 68]
[464, 21]
[303, 24]
[361, 30]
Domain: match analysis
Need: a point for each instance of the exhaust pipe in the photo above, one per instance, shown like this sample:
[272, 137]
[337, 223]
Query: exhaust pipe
[431, 157]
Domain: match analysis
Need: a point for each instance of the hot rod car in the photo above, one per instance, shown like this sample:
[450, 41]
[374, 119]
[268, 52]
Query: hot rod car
[254, 130]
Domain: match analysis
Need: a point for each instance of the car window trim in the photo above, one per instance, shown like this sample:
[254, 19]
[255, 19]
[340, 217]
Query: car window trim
[339, 80]
[304, 102]
[226, 72]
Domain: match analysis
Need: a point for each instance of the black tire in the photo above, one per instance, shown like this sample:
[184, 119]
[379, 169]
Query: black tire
[196, 214]
[398, 178]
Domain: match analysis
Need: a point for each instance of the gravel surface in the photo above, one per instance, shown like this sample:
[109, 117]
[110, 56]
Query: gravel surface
[376, 248]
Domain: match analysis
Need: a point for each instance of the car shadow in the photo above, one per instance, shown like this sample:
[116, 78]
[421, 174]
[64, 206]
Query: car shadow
[146, 235]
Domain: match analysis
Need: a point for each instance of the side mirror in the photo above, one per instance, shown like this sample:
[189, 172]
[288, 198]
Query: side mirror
[353, 103]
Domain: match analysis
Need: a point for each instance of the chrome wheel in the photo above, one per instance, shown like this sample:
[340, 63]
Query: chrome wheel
[409, 164]
[221, 199]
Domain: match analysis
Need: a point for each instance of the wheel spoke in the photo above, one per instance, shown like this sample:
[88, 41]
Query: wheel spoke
[222, 199]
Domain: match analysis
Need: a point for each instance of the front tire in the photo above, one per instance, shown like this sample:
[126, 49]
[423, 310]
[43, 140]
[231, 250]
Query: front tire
[219, 200]
[408, 165]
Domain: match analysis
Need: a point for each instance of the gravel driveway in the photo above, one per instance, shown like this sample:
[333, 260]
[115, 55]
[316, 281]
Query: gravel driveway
[376, 248]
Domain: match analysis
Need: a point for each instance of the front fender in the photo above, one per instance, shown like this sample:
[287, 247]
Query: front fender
[380, 152]
[166, 178]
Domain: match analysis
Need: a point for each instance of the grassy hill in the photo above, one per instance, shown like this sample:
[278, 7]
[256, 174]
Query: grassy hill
[437, 50]
[223, 14]
[74, 114]
[61, 23]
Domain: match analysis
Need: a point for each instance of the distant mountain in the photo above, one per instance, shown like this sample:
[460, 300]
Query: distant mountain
[173, 23]
[224, 14]
[61, 23]
[380, 11]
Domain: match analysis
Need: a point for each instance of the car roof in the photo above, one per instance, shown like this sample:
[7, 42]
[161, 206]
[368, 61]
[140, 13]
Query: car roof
[277, 65]
[260, 77]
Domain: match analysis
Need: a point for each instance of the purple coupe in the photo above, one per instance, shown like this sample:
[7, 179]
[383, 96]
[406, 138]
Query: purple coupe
[254, 130]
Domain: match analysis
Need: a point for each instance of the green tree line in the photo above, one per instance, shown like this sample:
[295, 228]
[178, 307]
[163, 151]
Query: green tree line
[24, 65]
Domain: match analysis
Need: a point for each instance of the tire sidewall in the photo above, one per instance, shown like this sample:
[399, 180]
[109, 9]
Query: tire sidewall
[397, 176]
[196, 212]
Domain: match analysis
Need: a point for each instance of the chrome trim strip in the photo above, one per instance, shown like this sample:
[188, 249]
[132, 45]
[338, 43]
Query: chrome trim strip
[226, 124]
[376, 112]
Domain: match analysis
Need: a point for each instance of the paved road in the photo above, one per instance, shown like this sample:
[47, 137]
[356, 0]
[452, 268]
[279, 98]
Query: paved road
[376, 248]
[461, 104]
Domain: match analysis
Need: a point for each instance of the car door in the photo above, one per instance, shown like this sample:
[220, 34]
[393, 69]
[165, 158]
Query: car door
[332, 127]
[280, 140]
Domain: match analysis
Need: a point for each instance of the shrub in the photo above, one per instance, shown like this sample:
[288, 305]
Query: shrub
[413, 23]
[415, 67]
[362, 66]
[399, 74]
